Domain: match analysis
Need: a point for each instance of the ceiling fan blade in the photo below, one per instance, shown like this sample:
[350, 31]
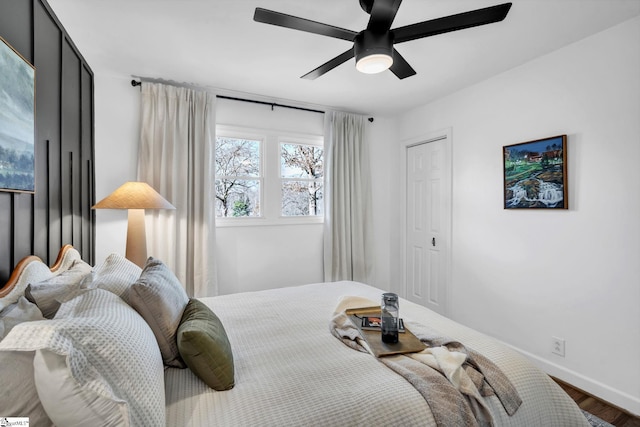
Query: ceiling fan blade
[401, 67]
[288, 21]
[456, 22]
[383, 12]
[330, 65]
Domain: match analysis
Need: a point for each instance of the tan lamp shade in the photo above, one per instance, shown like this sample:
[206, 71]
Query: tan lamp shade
[136, 197]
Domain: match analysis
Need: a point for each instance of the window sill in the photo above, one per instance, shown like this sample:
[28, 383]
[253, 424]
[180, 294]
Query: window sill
[262, 222]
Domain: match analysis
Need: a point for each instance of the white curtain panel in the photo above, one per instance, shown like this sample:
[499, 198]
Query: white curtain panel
[348, 240]
[176, 159]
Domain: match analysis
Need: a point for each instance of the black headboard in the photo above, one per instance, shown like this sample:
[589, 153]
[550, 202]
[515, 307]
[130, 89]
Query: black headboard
[59, 211]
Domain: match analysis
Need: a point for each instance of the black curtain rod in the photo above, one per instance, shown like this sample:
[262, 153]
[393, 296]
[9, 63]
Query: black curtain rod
[135, 83]
[272, 104]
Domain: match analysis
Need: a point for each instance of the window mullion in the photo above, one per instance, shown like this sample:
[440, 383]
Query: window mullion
[271, 181]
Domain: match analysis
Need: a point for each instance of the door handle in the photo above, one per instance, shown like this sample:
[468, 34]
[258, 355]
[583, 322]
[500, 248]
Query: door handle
[433, 241]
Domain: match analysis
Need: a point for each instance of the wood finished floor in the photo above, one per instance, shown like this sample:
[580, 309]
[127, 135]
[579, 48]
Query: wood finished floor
[599, 408]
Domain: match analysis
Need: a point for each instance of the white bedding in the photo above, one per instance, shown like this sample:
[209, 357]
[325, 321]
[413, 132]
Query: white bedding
[290, 370]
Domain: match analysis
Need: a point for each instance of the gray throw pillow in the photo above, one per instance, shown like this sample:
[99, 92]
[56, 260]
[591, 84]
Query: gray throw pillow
[204, 346]
[160, 299]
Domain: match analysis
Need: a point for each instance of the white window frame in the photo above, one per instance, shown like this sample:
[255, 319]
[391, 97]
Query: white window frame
[239, 133]
[311, 143]
[270, 176]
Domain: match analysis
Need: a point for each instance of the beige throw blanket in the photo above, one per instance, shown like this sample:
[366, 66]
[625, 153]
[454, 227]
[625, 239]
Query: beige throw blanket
[452, 378]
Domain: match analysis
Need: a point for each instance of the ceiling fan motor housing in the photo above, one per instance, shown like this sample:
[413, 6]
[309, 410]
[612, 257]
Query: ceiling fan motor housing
[369, 43]
[366, 5]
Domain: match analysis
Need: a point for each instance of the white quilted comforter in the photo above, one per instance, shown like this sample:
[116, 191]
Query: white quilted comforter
[290, 370]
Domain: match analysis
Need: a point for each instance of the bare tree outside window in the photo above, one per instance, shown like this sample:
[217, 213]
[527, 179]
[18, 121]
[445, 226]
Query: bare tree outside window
[238, 177]
[302, 169]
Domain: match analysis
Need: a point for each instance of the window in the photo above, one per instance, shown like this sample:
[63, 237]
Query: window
[301, 172]
[267, 177]
[238, 177]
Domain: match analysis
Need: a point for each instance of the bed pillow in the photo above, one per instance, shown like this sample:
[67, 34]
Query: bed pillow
[204, 346]
[111, 363]
[50, 293]
[160, 299]
[68, 403]
[115, 274]
[35, 272]
[18, 395]
[18, 312]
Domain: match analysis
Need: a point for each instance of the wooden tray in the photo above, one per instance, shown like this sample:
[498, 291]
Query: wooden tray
[407, 342]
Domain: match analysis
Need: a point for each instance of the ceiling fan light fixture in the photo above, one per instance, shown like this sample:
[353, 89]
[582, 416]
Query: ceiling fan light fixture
[373, 51]
[374, 63]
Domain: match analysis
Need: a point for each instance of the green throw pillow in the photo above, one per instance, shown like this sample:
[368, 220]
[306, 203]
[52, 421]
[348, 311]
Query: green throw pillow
[204, 346]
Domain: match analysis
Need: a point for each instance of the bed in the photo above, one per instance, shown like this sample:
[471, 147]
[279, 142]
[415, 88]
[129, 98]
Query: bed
[277, 361]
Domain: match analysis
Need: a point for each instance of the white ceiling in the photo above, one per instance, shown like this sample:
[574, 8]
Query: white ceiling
[216, 44]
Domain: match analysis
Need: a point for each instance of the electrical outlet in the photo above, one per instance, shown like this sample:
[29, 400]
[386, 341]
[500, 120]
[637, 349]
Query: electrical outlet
[557, 346]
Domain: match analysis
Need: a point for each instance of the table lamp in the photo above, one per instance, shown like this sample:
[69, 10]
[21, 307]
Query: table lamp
[136, 197]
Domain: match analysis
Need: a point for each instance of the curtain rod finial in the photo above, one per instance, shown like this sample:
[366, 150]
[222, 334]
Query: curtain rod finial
[370, 119]
[135, 83]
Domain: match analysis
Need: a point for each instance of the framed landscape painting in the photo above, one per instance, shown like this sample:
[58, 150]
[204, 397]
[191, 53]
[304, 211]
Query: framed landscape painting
[17, 121]
[535, 174]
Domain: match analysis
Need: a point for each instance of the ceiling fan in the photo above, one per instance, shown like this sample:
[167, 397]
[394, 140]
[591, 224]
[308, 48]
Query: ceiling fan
[373, 47]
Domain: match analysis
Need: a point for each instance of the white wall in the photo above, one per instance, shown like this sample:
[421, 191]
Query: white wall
[524, 276]
[384, 157]
[277, 255]
[117, 117]
[262, 257]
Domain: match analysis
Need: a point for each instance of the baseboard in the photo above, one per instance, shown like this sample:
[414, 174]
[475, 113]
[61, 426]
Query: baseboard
[620, 399]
